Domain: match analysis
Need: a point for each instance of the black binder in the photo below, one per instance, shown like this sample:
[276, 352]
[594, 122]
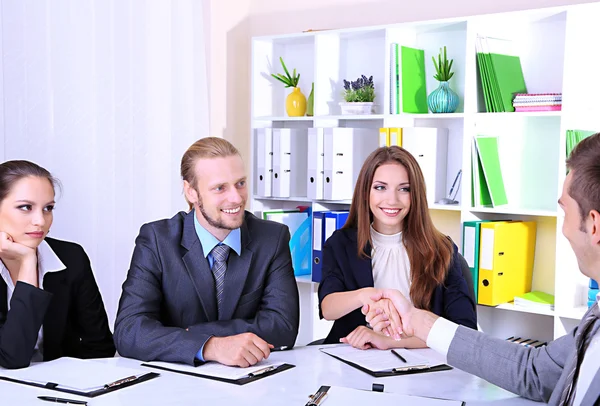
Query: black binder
[395, 371]
[241, 381]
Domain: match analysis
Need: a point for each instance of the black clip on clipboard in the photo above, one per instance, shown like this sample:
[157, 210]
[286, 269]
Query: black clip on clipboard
[251, 377]
[417, 369]
[319, 396]
[109, 387]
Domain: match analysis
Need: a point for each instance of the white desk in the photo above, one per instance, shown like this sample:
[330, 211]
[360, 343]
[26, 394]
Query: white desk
[287, 388]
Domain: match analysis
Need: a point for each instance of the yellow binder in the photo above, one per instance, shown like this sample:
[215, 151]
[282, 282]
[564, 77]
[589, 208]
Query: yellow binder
[396, 136]
[506, 256]
[384, 137]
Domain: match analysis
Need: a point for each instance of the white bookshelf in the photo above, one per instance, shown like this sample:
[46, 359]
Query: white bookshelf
[553, 45]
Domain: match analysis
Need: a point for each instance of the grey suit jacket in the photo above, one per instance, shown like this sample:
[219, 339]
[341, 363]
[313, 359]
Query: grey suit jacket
[534, 373]
[170, 288]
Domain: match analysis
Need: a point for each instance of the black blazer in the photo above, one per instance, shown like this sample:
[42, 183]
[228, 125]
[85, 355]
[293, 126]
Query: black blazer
[168, 307]
[343, 271]
[70, 308]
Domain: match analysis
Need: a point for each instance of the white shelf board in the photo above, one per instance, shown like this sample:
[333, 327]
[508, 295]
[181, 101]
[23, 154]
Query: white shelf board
[285, 199]
[513, 210]
[511, 306]
[283, 118]
[429, 115]
[352, 117]
[364, 117]
[517, 114]
[304, 279]
[447, 207]
[301, 199]
[349, 201]
[575, 313]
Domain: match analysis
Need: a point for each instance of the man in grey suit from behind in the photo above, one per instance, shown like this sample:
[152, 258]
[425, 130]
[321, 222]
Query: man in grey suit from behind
[213, 284]
[567, 370]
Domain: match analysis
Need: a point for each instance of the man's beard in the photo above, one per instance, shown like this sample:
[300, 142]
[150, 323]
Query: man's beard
[213, 222]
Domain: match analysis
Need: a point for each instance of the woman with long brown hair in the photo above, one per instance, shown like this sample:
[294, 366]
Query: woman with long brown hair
[389, 241]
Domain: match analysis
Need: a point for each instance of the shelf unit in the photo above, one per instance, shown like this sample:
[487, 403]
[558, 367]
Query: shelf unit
[552, 46]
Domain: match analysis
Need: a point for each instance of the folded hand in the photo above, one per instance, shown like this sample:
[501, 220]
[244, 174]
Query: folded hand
[364, 338]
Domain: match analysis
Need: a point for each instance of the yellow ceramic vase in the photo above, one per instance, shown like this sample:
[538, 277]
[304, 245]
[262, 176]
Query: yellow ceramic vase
[295, 103]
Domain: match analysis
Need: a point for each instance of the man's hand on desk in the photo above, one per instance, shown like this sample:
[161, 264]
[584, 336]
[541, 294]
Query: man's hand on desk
[241, 350]
[413, 322]
[363, 338]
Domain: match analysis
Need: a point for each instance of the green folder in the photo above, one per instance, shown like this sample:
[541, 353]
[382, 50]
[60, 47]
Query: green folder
[501, 73]
[487, 149]
[509, 77]
[537, 297]
[414, 89]
[574, 137]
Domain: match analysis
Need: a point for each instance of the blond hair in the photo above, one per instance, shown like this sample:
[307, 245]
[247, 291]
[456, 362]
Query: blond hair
[209, 147]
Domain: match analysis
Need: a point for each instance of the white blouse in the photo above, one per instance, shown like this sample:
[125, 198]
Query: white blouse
[389, 259]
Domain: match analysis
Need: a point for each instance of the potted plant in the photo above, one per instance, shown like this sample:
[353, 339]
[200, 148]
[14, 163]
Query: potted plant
[359, 96]
[443, 99]
[295, 103]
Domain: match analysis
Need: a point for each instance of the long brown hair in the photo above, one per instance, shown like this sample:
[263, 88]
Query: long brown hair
[429, 251]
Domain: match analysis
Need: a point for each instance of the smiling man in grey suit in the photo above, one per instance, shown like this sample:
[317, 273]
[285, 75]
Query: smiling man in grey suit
[214, 284]
[567, 370]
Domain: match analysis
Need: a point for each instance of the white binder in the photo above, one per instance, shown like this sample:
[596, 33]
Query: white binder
[264, 162]
[345, 150]
[429, 146]
[315, 175]
[289, 162]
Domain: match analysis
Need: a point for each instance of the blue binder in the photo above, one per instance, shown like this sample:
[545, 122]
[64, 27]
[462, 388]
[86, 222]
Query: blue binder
[334, 220]
[317, 244]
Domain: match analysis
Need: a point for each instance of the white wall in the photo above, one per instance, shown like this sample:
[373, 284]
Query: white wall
[107, 95]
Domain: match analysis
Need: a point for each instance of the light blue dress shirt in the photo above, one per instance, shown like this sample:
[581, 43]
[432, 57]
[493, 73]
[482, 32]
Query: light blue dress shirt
[209, 241]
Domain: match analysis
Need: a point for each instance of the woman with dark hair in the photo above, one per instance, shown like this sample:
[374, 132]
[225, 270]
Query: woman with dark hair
[389, 241]
[50, 305]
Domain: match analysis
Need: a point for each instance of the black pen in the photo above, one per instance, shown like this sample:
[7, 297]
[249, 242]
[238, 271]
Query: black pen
[282, 348]
[399, 356]
[61, 400]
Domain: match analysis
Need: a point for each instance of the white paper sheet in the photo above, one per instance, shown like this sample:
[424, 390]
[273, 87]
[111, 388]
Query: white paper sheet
[339, 395]
[215, 369]
[73, 373]
[379, 360]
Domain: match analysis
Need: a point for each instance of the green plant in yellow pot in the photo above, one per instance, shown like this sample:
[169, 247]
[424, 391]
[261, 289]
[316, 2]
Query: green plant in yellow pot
[295, 103]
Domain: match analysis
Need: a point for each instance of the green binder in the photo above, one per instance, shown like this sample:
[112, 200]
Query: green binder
[487, 150]
[470, 249]
[414, 89]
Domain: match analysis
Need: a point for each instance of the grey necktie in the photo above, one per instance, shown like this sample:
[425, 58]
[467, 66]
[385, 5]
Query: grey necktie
[220, 254]
[587, 330]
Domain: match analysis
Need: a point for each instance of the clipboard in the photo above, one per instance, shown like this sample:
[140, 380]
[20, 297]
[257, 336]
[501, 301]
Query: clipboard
[251, 377]
[417, 369]
[81, 367]
[344, 395]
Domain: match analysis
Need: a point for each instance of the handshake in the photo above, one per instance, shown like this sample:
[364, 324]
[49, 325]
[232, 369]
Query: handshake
[392, 322]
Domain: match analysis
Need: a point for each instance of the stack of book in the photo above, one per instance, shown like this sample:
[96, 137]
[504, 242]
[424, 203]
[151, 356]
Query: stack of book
[535, 300]
[592, 293]
[537, 102]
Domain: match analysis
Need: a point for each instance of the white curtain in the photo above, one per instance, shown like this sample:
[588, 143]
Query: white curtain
[107, 95]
